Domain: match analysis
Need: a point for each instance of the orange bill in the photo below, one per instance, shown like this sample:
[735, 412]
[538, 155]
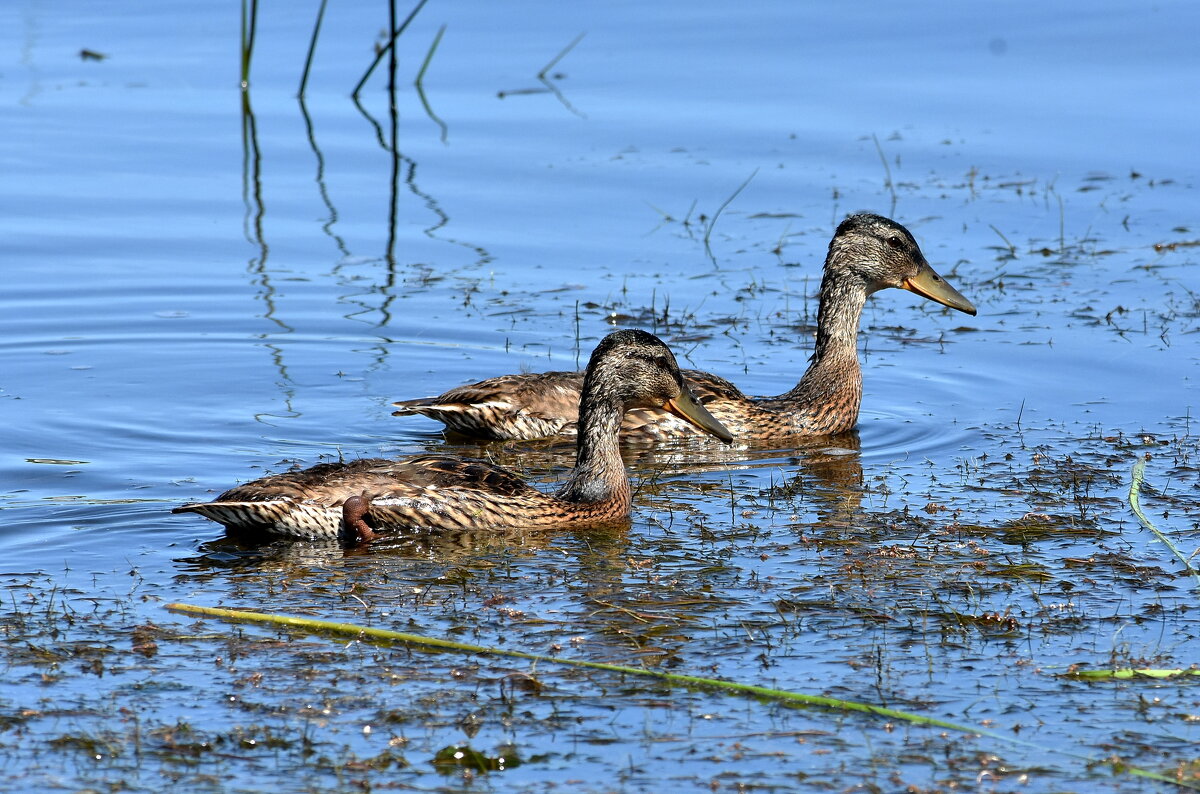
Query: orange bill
[686, 407]
[928, 284]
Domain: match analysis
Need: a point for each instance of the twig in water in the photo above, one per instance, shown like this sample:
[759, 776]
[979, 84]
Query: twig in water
[713, 221]
[553, 61]
[1012, 249]
[249, 24]
[420, 86]
[550, 87]
[1062, 225]
[312, 48]
[385, 48]
[887, 171]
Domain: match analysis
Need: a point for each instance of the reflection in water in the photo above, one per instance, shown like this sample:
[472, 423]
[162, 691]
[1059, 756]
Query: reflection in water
[831, 478]
[545, 79]
[253, 229]
[633, 592]
[403, 170]
[555, 585]
[322, 188]
[419, 84]
[236, 552]
[252, 180]
[389, 48]
[28, 45]
[823, 477]
[380, 138]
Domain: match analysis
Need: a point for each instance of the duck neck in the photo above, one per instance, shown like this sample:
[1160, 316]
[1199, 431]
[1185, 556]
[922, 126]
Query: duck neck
[832, 384]
[838, 315]
[599, 474]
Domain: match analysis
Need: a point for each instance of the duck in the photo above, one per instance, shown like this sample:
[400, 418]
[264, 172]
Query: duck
[359, 500]
[867, 253]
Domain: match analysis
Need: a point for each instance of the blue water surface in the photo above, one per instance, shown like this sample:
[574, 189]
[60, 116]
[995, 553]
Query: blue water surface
[203, 283]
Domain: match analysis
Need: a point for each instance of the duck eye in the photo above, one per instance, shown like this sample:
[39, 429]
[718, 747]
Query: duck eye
[895, 243]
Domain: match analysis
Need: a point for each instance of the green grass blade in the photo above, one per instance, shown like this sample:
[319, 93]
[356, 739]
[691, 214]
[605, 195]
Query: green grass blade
[1126, 673]
[1135, 503]
[388, 636]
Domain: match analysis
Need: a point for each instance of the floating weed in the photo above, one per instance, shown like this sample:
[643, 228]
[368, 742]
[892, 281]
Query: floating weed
[1033, 528]
[1024, 571]
[449, 760]
[1128, 673]
[94, 746]
[994, 624]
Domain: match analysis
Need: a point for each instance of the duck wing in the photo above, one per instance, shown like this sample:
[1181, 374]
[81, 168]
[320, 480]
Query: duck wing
[709, 388]
[527, 406]
[543, 405]
[426, 491]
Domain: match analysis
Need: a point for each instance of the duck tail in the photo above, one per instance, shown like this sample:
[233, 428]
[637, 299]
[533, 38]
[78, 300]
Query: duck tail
[279, 518]
[237, 514]
[418, 406]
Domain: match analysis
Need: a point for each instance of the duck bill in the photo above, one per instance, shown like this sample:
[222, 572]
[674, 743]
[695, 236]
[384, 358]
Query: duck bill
[928, 284]
[688, 409]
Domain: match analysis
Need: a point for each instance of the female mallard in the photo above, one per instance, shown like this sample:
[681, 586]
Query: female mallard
[868, 253]
[628, 370]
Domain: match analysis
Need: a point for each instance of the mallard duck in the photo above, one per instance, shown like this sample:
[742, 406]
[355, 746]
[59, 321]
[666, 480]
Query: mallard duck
[867, 253]
[629, 370]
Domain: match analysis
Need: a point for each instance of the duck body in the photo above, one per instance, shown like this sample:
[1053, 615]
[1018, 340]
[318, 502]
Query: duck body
[546, 404]
[426, 492]
[357, 500]
[867, 253]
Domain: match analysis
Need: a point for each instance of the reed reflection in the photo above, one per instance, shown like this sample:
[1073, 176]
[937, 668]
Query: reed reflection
[372, 298]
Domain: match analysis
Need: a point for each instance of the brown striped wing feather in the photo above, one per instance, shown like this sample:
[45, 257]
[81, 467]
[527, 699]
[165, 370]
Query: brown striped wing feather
[308, 503]
[546, 404]
[527, 406]
[423, 492]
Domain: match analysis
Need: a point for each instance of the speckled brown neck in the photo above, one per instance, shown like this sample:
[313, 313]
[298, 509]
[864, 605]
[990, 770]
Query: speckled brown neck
[831, 389]
[599, 475]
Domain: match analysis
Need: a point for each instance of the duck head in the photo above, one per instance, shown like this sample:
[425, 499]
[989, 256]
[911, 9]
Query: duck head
[884, 254]
[637, 370]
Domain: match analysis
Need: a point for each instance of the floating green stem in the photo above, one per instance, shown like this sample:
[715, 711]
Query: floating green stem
[1135, 502]
[1126, 673]
[386, 636]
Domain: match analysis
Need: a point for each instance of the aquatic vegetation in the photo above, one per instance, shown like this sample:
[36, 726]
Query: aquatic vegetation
[203, 299]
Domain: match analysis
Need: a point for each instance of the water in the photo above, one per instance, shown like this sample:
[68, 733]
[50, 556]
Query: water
[197, 292]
